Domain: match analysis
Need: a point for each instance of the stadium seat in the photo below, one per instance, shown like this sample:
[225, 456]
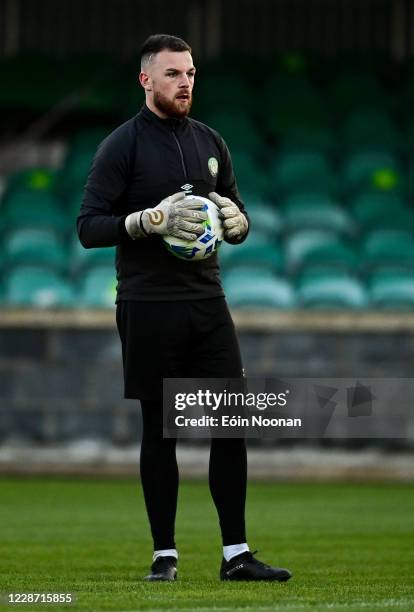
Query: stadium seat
[356, 91]
[260, 292]
[246, 254]
[388, 247]
[318, 247]
[291, 102]
[302, 173]
[39, 287]
[249, 174]
[308, 139]
[331, 291]
[87, 140]
[82, 259]
[370, 129]
[371, 171]
[315, 211]
[32, 246]
[265, 218]
[238, 130]
[381, 210]
[33, 179]
[392, 290]
[98, 288]
[218, 91]
[41, 209]
[75, 170]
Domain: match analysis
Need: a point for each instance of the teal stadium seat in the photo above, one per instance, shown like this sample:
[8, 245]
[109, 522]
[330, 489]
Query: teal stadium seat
[316, 211]
[38, 287]
[28, 208]
[74, 172]
[238, 130]
[305, 172]
[97, 288]
[261, 290]
[388, 248]
[290, 102]
[356, 91]
[319, 140]
[265, 255]
[32, 179]
[32, 246]
[318, 247]
[265, 218]
[331, 291]
[392, 290]
[376, 210]
[372, 130]
[371, 171]
[82, 259]
[250, 175]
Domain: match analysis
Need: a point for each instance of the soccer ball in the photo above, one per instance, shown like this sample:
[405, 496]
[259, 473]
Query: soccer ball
[204, 245]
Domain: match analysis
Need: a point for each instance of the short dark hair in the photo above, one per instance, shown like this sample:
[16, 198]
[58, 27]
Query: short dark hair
[160, 42]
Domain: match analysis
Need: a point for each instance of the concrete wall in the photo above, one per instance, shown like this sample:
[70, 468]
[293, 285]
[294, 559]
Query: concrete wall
[61, 375]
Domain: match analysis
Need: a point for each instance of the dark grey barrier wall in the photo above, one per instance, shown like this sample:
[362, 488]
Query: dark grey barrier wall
[61, 373]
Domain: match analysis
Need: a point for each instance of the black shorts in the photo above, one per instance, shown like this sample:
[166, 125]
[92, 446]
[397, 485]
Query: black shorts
[180, 339]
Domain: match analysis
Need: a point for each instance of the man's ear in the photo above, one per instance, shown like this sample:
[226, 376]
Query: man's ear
[145, 81]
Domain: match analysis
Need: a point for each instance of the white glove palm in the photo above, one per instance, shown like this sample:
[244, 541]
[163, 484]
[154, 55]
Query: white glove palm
[234, 222]
[174, 216]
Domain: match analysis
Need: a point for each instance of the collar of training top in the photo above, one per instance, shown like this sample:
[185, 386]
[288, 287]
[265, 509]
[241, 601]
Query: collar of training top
[171, 122]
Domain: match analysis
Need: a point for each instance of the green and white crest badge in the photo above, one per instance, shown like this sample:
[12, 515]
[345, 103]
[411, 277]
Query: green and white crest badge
[213, 166]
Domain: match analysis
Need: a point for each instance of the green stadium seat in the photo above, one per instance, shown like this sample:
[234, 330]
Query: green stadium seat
[388, 247]
[351, 91]
[302, 173]
[238, 130]
[250, 175]
[93, 82]
[28, 82]
[82, 259]
[32, 246]
[381, 210]
[88, 140]
[217, 91]
[370, 129]
[331, 291]
[41, 209]
[318, 247]
[98, 288]
[254, 255]
[32, 179]
[392, 290]
[34, 286]
[308, 139]
[291, 102]
[75, 170]
[265, 218]
[260, 292]
[371, 171]
[315, 211]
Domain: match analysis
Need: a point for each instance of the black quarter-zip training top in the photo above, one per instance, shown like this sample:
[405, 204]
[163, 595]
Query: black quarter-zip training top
[139, 164]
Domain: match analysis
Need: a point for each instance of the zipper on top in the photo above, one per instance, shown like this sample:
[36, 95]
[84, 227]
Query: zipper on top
[181, 154]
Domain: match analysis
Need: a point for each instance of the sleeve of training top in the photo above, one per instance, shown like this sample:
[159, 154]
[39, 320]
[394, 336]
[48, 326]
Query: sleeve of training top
[227, 186]
[97, 225]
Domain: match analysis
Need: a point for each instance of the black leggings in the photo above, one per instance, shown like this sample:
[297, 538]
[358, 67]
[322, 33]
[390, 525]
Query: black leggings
[159, 477]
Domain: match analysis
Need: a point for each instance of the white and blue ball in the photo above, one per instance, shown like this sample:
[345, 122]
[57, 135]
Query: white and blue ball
[204, 245]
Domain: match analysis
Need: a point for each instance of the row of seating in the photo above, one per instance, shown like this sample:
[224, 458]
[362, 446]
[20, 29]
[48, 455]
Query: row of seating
[246, 287]
[285, 174]
[105, 86]
[286, 253]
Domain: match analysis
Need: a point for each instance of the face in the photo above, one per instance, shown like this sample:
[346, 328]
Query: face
[168, 81]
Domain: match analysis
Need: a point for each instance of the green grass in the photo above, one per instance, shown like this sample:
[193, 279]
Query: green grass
[350, 546]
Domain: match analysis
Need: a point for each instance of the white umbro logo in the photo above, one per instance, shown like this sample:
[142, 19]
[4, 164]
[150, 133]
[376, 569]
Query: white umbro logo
[187, 187]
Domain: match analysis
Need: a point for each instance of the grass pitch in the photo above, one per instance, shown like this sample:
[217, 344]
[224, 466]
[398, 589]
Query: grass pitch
[350, 546]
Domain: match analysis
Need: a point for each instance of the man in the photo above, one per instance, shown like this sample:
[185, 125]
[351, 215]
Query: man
[172, 314]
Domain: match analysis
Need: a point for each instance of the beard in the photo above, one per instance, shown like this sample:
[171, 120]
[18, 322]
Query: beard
[172, 108]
